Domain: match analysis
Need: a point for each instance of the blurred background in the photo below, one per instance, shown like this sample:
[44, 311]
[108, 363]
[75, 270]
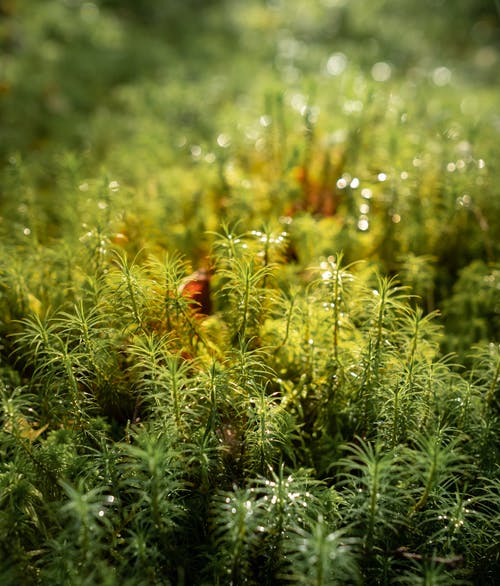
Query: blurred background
[370, 127]
[65, 64]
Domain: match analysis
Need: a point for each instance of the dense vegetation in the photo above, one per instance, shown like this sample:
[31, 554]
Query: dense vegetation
[249, 292]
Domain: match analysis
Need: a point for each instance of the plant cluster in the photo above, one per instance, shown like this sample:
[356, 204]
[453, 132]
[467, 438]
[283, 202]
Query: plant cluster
[249, 293]
[310, 433]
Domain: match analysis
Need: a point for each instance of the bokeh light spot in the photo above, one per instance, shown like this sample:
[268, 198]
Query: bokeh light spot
[336, 64]
[381, 71]
[441, 76]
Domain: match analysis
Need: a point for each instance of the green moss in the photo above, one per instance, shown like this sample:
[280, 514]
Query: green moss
[249, 292]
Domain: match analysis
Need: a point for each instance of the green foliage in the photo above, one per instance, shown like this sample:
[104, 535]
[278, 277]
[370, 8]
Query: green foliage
[249, 292]
[314, 435]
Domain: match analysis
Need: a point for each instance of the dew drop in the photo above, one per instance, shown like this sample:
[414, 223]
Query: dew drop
[381, 71]
[363, 224]
[441, 76]
[265, 121]
[336, 64]
[196, 151]
[223, 140]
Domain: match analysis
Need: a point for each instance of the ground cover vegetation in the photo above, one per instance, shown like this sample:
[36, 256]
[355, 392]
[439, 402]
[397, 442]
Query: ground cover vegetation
[249, 292]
